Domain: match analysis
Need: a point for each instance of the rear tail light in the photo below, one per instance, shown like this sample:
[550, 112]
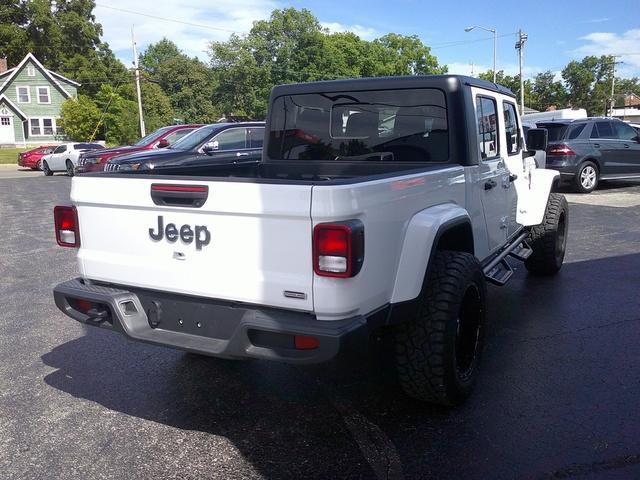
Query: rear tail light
[67, 228]
[561, 150]
[338, 249]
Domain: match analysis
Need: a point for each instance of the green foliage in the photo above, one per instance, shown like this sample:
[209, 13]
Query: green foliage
[79, 118]
[589, 83]
[187, 83]
[547, 92]
[292, 46]
[64, 36]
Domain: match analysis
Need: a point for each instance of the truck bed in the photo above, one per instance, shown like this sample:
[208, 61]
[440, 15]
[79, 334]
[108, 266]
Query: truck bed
[290, 172]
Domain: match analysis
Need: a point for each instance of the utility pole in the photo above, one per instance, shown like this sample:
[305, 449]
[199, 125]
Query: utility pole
[472, 69]
[522, 37]
[613, 83]
[137, 73]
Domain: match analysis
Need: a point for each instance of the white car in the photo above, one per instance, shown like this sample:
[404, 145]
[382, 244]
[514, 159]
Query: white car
[65, 157]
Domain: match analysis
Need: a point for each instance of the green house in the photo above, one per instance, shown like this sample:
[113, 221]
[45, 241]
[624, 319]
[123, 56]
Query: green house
[30, 101]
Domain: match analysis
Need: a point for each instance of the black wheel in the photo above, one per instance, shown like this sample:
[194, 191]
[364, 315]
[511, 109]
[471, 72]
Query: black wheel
[438, 351]
[45, 168]
[39, 165]
[69, 165]
[587, 177]
[549, 239]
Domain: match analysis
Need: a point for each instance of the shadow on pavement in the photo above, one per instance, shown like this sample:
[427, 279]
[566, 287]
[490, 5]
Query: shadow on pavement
[558, 387]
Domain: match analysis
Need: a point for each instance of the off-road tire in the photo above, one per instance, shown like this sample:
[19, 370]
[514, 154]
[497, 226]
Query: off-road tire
[549, 239]
[582, 184]
[69, 166]
[434, 363]
[45, 168]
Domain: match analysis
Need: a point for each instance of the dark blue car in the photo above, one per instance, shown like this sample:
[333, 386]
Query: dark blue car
[220, 143]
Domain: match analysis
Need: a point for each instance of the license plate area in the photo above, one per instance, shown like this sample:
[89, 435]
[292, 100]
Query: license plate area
[193, 316]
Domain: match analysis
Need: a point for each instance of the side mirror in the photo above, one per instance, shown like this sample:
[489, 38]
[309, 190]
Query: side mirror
[210, 147]
[537, 139]
[163, 143]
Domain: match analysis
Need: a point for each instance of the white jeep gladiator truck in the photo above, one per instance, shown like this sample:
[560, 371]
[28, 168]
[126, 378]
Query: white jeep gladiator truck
[383, 203]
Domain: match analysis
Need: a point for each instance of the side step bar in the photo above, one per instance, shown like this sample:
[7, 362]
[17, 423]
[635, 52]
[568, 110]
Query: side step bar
[498, 271]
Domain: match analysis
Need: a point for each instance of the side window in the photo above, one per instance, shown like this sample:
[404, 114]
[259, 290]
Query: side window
[60, 149]
[512, 134]
[177, 135]
[602, 130]
[232, 139]
[256, 137]
[487, 127]
[575, 131]
[624, 131]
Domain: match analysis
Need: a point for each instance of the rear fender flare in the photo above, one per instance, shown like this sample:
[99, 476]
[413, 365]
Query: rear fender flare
[420, 243]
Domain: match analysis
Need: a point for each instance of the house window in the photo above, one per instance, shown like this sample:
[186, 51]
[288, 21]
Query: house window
[35, 126]
[31, 71]
[42, 126]
[23, 94]
[44, 95]
[4, 121]
[47, 126]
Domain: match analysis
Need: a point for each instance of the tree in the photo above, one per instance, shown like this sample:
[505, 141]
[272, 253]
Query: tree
[292, 46]
[158, 53]
[80, 118]
[188, 83]
[547, 92]
[589, 83]
[64, 36]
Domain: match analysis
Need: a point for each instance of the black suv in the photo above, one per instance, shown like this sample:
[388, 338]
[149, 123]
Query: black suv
[216, 144]
[588, 150]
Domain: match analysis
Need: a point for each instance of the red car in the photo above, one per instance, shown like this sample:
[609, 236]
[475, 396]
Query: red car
[161, 138]
[31, 158]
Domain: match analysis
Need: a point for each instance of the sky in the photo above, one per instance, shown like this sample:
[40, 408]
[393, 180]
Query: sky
[558, 30]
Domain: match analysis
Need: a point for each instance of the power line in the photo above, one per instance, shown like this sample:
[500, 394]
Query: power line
[157, 17]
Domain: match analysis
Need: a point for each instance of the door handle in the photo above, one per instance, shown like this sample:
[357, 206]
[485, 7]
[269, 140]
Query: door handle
[626, 146]
[488, 185]
[596, 145]
[242, 154]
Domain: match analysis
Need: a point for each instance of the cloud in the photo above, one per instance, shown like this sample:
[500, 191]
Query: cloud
[595, 20]
[209, 21]
[366, 33]
[626, 45]
[529, 71]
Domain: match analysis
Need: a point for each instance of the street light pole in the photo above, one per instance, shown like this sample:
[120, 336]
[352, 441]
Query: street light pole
[495, 44]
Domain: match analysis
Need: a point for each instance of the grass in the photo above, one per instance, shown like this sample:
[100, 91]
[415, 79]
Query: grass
[10, 155]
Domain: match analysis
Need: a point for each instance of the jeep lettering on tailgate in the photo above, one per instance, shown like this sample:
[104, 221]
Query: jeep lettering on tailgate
[199, 233]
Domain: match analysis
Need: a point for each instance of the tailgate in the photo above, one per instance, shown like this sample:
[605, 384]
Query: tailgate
[249, 242]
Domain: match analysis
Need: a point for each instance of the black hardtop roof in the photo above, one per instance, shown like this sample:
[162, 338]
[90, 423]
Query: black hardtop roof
[443, 82]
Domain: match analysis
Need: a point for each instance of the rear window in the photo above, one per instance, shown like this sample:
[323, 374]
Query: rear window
[87, 146]
[575, 131]
[383, 125]
[556, 131]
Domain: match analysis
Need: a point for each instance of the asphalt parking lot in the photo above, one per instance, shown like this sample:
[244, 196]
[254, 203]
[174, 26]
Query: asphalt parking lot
[558, 397]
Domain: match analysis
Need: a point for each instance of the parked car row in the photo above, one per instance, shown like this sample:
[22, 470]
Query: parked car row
[161, 138]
